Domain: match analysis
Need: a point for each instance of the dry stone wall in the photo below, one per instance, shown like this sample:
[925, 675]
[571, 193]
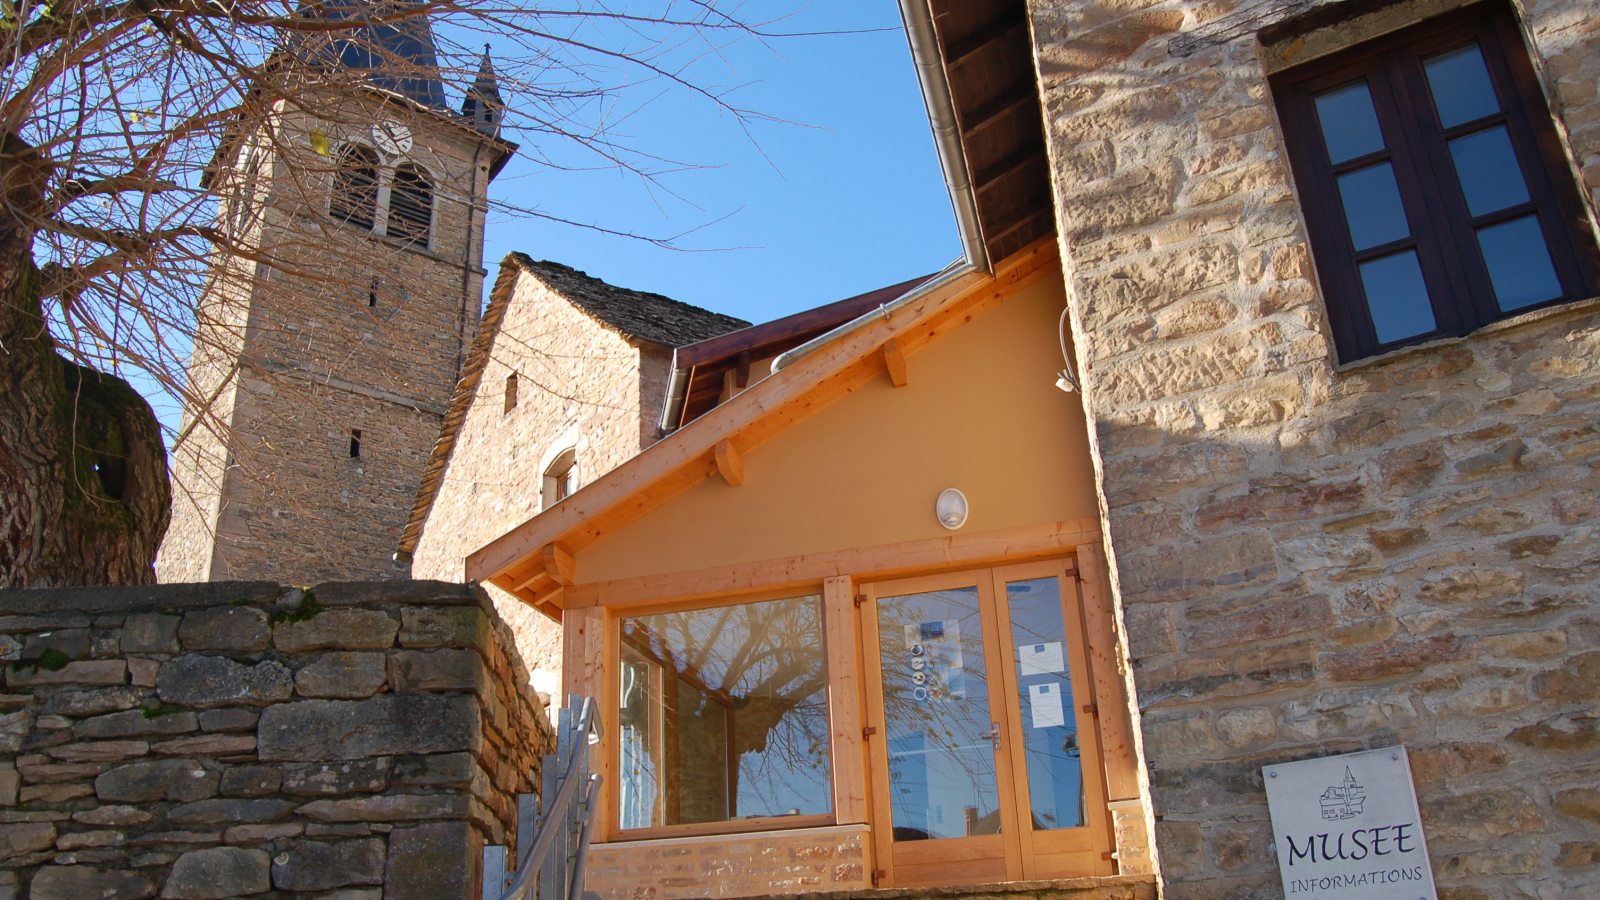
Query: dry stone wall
[1314, 558]
[358, 741]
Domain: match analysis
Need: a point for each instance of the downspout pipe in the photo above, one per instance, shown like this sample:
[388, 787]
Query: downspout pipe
[952, 159]
[677, 386]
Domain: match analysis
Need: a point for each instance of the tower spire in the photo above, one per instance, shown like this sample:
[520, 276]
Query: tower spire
[482, 106]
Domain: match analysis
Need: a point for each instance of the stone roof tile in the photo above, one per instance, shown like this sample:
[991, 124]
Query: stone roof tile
[635, 314]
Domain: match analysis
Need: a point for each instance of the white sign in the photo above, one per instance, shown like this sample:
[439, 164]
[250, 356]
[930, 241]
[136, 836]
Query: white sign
[1040, 659]
[1044, 704]
[1347, 828]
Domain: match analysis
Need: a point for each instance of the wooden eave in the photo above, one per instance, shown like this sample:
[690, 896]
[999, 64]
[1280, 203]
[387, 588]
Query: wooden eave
[519, 561]
[988, 62]
[709, 361]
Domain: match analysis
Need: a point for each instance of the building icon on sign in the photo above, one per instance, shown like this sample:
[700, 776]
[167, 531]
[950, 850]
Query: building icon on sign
[1343, 801]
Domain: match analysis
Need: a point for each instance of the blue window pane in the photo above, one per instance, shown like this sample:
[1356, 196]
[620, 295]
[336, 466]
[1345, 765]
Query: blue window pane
[1490, 176]
[1519, 263]
[1461, 87]
[1397, 297]
[1349, 123]
[1372, 206]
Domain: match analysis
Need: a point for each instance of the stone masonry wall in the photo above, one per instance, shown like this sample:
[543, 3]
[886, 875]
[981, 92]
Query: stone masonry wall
[350, 331]
[358, 741]
[799, 861]
[1311, 558]
[579, 384]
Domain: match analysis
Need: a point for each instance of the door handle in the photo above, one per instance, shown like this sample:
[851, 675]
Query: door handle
[993, 734]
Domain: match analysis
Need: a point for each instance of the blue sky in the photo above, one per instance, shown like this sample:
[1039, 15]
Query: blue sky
[847, 199]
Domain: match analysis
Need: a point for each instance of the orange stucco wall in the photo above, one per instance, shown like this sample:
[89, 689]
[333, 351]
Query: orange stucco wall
[981, 413]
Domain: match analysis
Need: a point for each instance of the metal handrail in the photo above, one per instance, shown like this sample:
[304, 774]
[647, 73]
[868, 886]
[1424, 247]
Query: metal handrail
[555, 818]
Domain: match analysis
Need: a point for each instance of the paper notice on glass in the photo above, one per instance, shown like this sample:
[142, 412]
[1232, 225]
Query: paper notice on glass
[1040, 659]
[1044, 703]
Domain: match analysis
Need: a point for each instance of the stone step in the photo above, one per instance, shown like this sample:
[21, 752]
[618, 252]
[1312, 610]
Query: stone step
[1114, 887]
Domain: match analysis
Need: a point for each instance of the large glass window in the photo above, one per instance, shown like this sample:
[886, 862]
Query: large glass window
[724, 714]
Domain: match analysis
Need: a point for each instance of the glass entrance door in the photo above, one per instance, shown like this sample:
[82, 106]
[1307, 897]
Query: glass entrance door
[988, 768]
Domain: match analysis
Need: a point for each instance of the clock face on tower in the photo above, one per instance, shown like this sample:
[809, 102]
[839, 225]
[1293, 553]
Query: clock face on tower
[392, 138]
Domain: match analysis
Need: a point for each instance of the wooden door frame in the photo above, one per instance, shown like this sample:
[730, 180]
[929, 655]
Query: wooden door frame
[1096, 836]
[947, 852]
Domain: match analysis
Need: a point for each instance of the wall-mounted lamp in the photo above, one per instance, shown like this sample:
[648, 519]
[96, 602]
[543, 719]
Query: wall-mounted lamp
[951, 509]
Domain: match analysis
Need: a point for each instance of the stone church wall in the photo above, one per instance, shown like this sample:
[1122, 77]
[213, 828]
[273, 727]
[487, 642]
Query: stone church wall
[1312, 558]
[579, 385]
[239, 739]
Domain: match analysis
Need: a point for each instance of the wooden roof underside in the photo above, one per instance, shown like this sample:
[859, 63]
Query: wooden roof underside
[988, 61]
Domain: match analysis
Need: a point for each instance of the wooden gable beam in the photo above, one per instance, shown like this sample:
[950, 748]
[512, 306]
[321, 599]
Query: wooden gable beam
[730, 463]
[559, 564]
[895, 361]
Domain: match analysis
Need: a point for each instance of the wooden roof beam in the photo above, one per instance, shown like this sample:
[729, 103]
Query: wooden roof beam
[1009, 166]
[1023, 96]
[559, 564]
[957, 52]
[730, 463]
[894, 359]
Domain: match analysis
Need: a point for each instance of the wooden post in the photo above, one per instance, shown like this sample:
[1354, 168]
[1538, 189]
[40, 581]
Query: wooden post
[583, 656]
[1110, 675]
[844, 701]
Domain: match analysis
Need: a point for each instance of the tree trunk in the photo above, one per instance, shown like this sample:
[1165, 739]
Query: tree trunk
[84, 495]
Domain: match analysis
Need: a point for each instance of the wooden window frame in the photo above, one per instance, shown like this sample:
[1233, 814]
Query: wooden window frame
[611, 746]
[1442, 230]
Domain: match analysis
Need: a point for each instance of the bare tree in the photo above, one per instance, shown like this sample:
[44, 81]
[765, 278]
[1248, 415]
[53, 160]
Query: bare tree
[143, 143]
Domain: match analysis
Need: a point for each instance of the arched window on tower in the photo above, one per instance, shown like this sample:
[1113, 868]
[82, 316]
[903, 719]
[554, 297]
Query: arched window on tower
[410, 206]
[355, 188]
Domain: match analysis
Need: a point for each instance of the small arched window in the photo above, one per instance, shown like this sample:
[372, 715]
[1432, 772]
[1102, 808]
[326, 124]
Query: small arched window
[355, 188]
[410, 206]
[511, 392]
[561, 477]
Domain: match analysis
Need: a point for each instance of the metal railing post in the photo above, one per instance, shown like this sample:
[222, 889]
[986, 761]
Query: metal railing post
[553, 856]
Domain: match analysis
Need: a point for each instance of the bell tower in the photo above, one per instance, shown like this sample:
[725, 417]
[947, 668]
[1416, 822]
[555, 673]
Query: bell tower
[337, 313]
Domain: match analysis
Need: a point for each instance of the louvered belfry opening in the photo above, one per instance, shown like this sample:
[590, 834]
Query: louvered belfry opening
[410, 206]
[988, 59]
[355, 188]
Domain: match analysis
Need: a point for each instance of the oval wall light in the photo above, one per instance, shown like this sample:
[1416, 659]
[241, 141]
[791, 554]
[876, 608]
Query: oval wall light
[951, 509]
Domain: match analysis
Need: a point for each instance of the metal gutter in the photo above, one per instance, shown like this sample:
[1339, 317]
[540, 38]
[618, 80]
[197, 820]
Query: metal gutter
[929, 62]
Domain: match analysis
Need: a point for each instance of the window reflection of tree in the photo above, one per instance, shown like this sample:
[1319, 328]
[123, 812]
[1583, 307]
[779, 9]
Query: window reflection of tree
[1053, 764]
[744, 719]
[951, 728]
